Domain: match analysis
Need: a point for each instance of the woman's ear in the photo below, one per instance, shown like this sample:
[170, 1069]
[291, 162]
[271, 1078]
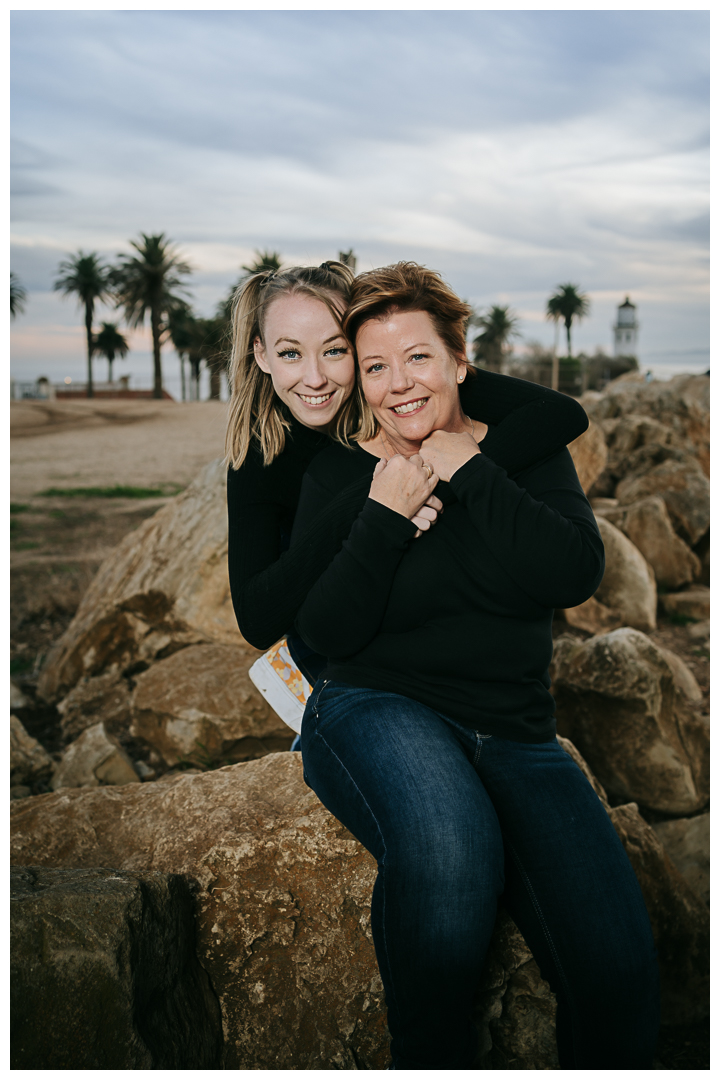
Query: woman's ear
[260, 358]
[462, 369]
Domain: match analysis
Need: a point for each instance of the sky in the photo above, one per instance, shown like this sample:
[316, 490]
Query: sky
[512, 151]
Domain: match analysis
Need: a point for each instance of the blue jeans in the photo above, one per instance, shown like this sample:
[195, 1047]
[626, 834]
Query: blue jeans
[455, 819]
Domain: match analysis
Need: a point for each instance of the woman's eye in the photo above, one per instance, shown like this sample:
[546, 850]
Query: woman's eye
[373, 369]
[419, 356]
[289, 354]
[337, 350]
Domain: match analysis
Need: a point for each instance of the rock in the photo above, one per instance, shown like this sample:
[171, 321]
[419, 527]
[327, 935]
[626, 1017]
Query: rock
[601, 506]
[104, 973]
[647, 524]
[684, 489]
[589, 454]
[515, 1008]
[702, 550]
[683, 677]
[699, 631]
[283, 900]
[102, 699]
[627, 435]
[593, 616]
[93, 759]
[201, 700]
[627, 595]
[29, 762]
[679, 920]
[692, 604]
[618, 701]
[20, 791]
[18, 700]
[164, 587]
[687, 842]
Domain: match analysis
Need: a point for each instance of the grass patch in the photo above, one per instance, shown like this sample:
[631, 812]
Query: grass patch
[58, 514]
[117, 491]
[25, 545]
[18, 508]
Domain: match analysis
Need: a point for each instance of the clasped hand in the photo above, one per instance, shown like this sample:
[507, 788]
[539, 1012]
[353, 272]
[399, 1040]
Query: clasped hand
[446, 451]
[403, 485]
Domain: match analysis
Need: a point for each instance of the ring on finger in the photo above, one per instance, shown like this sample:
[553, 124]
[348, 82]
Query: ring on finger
[430, 470]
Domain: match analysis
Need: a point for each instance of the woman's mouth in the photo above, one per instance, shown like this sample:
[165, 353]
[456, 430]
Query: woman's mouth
[408, 407]
[316, 400]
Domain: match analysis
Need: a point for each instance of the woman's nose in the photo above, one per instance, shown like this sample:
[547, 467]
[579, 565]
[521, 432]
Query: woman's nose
[400, 378]
[314, 377]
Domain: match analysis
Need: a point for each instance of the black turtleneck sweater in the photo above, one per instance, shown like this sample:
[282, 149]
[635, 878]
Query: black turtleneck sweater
[459, 619]
[269, 583]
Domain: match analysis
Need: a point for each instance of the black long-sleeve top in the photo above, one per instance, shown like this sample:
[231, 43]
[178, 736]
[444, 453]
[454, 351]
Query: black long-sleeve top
[268, 583]
[460, 619]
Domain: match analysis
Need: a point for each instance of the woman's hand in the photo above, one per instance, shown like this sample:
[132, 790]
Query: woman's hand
[447, 452]
[402, 484]
[427, 515]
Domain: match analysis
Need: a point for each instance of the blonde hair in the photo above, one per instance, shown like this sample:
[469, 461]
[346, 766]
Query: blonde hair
[405, 286]
[255, 411]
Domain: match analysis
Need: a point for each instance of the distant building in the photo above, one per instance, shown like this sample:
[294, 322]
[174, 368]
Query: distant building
[43, 390]
[626, 329]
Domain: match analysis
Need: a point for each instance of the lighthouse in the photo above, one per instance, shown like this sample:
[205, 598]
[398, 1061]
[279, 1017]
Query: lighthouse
[625, 329]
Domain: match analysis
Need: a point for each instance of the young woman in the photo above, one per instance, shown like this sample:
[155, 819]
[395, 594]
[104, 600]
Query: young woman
[431, 733]
[293, 392]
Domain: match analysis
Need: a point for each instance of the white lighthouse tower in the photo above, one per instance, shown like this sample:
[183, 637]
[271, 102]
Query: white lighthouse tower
[626, 329]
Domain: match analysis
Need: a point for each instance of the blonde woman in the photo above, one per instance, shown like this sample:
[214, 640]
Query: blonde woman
[293, 392]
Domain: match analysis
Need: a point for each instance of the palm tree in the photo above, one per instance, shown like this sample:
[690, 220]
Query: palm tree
[110, 343]
[568, 303]
[89, 279]
[18, 295]
[145, 283]
[498, 326]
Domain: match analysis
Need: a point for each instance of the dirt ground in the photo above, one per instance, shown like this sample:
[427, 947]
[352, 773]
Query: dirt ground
[58, 542]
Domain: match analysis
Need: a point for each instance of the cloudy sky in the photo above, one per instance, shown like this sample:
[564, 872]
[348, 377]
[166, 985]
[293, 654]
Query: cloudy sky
[510, 150]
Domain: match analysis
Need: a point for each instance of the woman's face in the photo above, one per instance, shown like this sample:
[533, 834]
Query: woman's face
[307, 357]
[409, 377]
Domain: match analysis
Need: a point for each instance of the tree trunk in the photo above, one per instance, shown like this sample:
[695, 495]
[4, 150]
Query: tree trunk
[157, 365]
[215, 372]
[567, 327]
[110, 369]
[88, 333]
[182, 375]
[555, 377]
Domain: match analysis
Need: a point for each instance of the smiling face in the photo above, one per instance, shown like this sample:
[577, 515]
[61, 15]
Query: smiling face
[307, 357]
[409, 378]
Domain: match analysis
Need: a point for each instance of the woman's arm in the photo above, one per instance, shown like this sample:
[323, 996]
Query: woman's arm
[530, 422]
[268, 585]
[343, 610]
[541, 529]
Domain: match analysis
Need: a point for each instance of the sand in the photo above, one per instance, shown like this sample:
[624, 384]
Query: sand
[88, 443]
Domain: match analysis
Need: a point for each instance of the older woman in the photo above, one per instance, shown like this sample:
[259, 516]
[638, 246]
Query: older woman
[431, 733]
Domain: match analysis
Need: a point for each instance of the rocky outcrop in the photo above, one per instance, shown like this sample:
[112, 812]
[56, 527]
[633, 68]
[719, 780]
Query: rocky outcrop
[93, 759]
[691, 604]
[627, 595]
[679, 920]
[687, 842]
[164, 587]
[101, 699]
[618, 701]
[647, 524]
[29, 762]
[684, 489]
[589, 453]
[201, 700]
[104, 973]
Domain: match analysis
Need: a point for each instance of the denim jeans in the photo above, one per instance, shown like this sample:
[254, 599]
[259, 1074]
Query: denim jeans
[455, 819]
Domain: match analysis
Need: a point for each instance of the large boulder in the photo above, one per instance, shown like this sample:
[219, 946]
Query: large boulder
[201, 701]
[164, 587]
[104, 973]
[101, 699]
[684, 489]
[687, 842]
[647, 524]
[93, 759]
[29, 761]
[690, 604]
[283, 913]
[627, 595]
[618, 700]
[589, 453]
